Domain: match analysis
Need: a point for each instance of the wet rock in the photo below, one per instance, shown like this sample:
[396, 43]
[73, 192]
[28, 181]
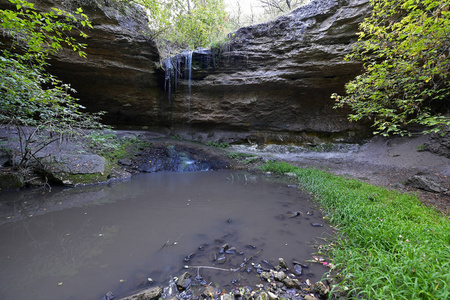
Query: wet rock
[209, 292]
[321, 289]
[185, 295]
[231, 250]
[425, 183]
[282, 263]
[171, 290]
[440, 144]
[298, 269]
[125, 162]
[75, 163]
[213, 256]
[309, 297]
[293, 214]
[75, 169]
[279, 276]
[291, 283]
[221, 259]
[226, 297]
[189, 257]
[184, 281]
[149, 294]
[265, 275]
[272, 296]
[109, 296]
[224, 248]
[262, 296]
[11, 181]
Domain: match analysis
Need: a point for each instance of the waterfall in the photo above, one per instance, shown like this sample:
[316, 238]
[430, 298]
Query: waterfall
[173, 73]
[188, 70]
[169, 76]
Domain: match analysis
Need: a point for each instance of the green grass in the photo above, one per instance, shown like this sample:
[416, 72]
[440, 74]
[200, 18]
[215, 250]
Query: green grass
[111, 147]
[389, 245]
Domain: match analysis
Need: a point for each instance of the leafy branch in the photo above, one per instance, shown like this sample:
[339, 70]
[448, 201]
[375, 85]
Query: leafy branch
[38, 104]
[404, 46]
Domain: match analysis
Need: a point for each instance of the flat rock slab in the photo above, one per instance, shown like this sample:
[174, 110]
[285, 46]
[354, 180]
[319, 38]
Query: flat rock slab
[75, 163]
[149, 294]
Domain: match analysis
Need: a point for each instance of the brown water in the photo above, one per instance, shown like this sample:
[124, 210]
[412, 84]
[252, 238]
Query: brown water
[81, 243]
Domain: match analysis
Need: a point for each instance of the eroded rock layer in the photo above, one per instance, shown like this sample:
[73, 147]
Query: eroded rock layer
[270, 82]
[273, 81]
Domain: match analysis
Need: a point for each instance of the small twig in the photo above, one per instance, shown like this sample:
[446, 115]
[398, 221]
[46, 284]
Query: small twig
[214, 268]
[174, 242]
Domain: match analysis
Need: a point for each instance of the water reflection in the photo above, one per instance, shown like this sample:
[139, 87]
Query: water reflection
[80, 243]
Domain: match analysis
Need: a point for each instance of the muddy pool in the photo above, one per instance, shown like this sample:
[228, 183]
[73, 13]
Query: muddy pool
[80, 243]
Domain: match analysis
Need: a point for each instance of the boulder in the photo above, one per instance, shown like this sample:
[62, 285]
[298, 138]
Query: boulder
[11, 181]
[440, 144]
[425, 183]
[76, 169]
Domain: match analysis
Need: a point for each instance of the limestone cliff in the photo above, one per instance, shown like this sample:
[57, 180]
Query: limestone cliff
[270, 82]
[273, 81]
[118, 75]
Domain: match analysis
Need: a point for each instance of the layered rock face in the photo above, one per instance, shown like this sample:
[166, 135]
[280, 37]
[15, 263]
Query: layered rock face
[270, 83]
[118, 74]
[273, 81]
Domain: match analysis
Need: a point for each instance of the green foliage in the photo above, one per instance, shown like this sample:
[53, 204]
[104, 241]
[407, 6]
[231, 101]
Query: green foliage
[239, 155]
[404, 46]
[217, 144]
[40, 34]
[176, 137]
[185, 24]
[243, 158]
[29, 96]
[388, 245]
[108, 145]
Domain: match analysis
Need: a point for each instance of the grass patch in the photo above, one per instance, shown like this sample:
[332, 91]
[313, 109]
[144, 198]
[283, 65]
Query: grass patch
[243, 158]
[217, 144]
[389, 245]
[113, 148]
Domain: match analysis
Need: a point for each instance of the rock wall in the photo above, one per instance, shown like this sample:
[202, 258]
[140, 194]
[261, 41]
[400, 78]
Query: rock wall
[119, 73]
[273, 81]
[270, 83]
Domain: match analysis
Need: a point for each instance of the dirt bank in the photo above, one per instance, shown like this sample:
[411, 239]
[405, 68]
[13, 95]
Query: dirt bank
[381, 161]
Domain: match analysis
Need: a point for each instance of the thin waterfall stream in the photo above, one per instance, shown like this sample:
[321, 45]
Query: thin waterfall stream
[174, 73]
[80, 243]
